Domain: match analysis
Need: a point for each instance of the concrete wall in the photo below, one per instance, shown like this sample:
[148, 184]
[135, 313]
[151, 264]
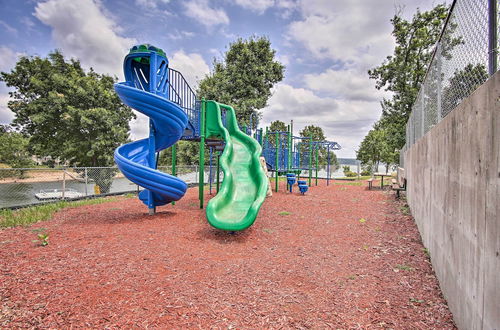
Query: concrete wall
[453, 177]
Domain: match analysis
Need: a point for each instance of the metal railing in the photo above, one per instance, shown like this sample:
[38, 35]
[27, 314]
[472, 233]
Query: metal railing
[465, 55]
[27, 186]
[181, 93]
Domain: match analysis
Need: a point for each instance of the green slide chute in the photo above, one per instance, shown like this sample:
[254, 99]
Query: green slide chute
[244, 188]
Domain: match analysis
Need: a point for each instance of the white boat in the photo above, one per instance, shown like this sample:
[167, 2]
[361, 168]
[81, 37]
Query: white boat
[58, 194]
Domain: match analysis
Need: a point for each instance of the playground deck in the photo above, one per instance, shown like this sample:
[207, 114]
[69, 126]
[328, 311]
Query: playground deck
[339, 257]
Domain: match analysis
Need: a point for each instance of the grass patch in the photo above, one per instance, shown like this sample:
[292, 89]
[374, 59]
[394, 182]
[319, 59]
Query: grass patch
[362, 220]
[33, 214]
[405, 209]
[267, 230]
[404, 267]
[418, 301]
[349, 183]
[362, 177]
[284, 213]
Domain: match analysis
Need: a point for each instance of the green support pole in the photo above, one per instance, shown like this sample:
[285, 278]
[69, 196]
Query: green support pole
[218, 171]
[277, 160]
[317, 152]
[289, 167]
[174, 162]
[201, 180]
[310, 160]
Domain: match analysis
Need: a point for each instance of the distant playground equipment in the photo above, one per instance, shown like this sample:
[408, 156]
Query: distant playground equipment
[175, 113]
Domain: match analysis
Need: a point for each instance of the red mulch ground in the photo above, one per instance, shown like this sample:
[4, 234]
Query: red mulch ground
[112, 265]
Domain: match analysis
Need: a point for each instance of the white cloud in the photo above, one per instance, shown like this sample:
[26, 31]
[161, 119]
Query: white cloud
[346, 30]
[82, 30]
[8, 28]
[8, 59]
[180, 35]
[345, 122]
[204, 14]
[259, 6]
[6, 116]
[192, 66]
[139, 127]
[150, 4]
[345, 84]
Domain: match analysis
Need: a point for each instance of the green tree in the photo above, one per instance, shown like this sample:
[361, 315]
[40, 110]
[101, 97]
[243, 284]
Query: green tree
[318, 135]
[14, 148]
[278, 126]
[373, 148]
[244, 78]
[315, 131]
[403, 72]
[462, 84]
[188, 153]
[67, 113]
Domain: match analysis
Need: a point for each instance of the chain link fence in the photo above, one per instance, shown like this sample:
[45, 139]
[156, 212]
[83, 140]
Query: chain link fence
[29, 186]
[465, 56]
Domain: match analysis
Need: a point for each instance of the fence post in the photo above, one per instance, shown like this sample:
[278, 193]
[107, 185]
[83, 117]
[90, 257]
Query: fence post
[492, 37]
[86, 183]
[439, 83]
[63, 183]
[422, 108]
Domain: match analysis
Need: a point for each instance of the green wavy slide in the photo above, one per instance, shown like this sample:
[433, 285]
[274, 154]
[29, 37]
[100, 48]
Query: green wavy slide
[244, 188]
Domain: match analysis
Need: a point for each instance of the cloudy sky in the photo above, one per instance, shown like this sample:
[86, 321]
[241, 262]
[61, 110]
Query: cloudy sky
[326, 45]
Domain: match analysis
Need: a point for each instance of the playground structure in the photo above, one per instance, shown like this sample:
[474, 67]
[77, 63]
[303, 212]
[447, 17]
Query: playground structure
[175, 113]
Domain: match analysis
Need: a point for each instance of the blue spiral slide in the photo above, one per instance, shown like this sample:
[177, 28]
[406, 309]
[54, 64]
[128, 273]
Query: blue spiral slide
[146, 90]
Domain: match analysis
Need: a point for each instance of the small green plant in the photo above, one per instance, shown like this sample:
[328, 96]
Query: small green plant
[426, 251]
[43, 239]
[405, 209]
[404, 267]
[418, 301]
[352, 277]
[284, 213]
[366, 247]
[362, 220]
[267, 230]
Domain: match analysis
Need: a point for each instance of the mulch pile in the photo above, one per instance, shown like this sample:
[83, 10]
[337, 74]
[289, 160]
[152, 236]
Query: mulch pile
[340, 257]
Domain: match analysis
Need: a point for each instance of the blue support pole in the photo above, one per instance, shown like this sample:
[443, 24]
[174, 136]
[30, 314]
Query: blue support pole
[328, 167]
[152, 164]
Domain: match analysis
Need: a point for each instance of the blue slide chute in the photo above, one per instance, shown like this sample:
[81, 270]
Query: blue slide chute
[146, 90]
